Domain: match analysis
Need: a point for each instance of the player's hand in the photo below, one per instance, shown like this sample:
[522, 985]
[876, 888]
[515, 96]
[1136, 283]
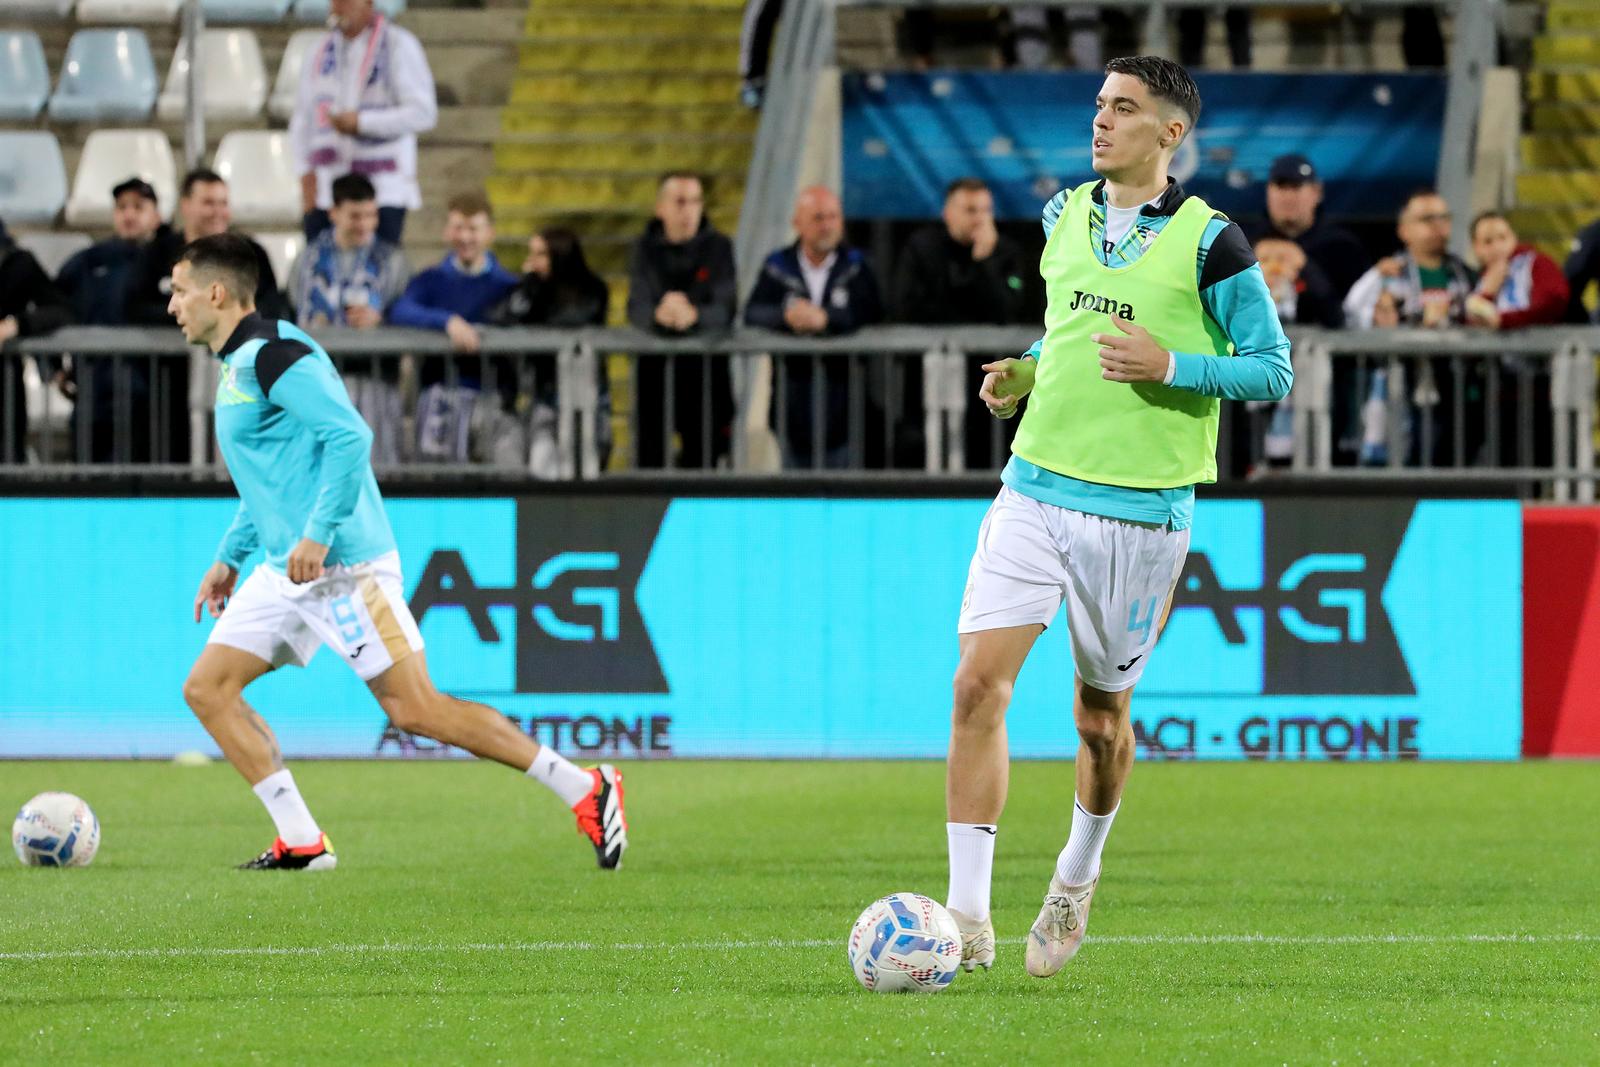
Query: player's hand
[215, 589]
[464, 336]
[1005, 382]
[305, 562]
[1131, 355]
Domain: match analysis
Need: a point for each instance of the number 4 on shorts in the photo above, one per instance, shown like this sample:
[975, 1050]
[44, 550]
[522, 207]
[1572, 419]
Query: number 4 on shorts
[1142, 626]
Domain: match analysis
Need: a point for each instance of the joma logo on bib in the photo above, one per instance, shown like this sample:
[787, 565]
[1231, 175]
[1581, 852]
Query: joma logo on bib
[1103, 304]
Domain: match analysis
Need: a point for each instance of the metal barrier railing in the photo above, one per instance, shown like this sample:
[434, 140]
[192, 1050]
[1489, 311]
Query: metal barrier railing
[1428, 404]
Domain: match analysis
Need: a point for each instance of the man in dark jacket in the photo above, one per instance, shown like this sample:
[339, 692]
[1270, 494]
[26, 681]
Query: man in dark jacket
[681, 282]
[203, 210]
[960, 271]
[819, 286]
[1294, 197]
[95, 282]
[30, 304]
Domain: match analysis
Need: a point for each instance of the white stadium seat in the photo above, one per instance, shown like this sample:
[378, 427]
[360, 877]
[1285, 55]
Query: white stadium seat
[262, 182]
[128, 10]
[287, 87]
[113, 156]
[233, 77]
[282, 246]
[33, 179]
[53, 249]
[225, 11]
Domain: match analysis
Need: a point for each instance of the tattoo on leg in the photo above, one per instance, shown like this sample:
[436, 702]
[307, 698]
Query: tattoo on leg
[259, 725]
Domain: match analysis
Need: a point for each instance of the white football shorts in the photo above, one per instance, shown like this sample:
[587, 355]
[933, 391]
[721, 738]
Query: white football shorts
[1115, 576]
[359, 611]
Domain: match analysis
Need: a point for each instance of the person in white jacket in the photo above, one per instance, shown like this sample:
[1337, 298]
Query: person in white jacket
[366, 92]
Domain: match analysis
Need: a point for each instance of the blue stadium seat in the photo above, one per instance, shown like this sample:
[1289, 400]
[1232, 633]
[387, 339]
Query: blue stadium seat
[33, 179]
[317, 10]
[230, 11]
[108, 76]
[24, 78]
[119, 12]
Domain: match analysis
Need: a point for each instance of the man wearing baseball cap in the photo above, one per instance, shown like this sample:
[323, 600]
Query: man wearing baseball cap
[95, 282]
[1294, 194]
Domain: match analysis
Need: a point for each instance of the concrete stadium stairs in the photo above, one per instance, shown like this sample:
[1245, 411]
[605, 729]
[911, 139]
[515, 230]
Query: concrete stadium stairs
[1558, 187]
[607, 95]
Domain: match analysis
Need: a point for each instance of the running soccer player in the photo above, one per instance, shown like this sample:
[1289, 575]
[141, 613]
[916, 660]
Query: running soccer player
[1156, 308]
[300, 457]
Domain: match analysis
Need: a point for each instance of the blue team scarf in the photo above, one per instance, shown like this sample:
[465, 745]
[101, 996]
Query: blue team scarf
[333, 289]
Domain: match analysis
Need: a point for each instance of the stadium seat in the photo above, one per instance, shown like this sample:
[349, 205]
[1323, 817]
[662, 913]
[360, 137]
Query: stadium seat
[53, 249]
[24, 78]
[33, 179]
[282, 247]
[262, 182]
[224, 11]
[317, 10]
[111, 156]
[287, 88]
[128, 10]
[49, 9]
[233, 77]
[108, 76]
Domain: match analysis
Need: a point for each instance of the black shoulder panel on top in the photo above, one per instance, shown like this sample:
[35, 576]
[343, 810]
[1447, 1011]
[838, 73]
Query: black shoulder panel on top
[274, 358]
[1229, 254]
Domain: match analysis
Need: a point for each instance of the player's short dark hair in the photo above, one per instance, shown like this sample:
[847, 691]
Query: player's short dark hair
[1485, 216]
[356, 187]
[227, 258]
[686, 175]
[471, 202]
[965, 185]
[199, 176]
[1165, 79]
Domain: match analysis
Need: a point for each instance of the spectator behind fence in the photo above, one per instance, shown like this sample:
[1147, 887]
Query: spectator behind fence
[1422, 286]
[203, 210]
[820, 286]
[366, 92]
[681, 281]
[960, 270]
[1582, 269]
[1294, 201]
[557, 287]
[453, 296]
[349, 276]
[95, 282]
[1193, 23]
[30, 305]
[1303, 296]
[1520, 286]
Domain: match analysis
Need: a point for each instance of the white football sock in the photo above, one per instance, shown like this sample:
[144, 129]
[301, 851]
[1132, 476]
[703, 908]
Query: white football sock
[1079, 862]
[563, 777]
[971, 867]
[289, 812]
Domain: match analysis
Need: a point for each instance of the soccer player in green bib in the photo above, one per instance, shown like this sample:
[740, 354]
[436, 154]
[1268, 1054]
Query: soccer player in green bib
[1156, 309]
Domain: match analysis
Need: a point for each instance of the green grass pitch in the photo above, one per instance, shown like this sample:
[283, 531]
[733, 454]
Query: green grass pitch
[1441, 914]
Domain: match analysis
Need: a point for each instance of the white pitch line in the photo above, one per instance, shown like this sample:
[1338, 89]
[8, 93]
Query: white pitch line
[470, 948]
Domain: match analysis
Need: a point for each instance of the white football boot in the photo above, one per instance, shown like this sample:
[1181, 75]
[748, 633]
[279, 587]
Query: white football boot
[1058, 931]
[977, 941]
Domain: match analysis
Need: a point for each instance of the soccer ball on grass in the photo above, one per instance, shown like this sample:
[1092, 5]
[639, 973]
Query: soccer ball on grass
[905, 943]
[55, 830]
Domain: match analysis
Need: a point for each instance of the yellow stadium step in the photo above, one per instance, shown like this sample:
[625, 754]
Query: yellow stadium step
[1557, 188]
[637, 89]
[1565, 87]
[1568, 219]
[667, 22]
[561, 192]
[1566, 118]
[516, 222]
[666, 54]
[543, 120]
[1553, 151]
[1573, 17]
[626, 153]
[1566, 48]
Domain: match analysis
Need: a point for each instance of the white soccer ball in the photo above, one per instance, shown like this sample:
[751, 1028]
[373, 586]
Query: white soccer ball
[905, 943]
[55, 830]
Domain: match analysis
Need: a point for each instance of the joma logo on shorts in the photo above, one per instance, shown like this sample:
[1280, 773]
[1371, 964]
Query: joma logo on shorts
[1103, 304]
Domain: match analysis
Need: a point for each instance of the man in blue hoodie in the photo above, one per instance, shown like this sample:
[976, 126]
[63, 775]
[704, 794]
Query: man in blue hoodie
[456, 296]
[300, 457]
